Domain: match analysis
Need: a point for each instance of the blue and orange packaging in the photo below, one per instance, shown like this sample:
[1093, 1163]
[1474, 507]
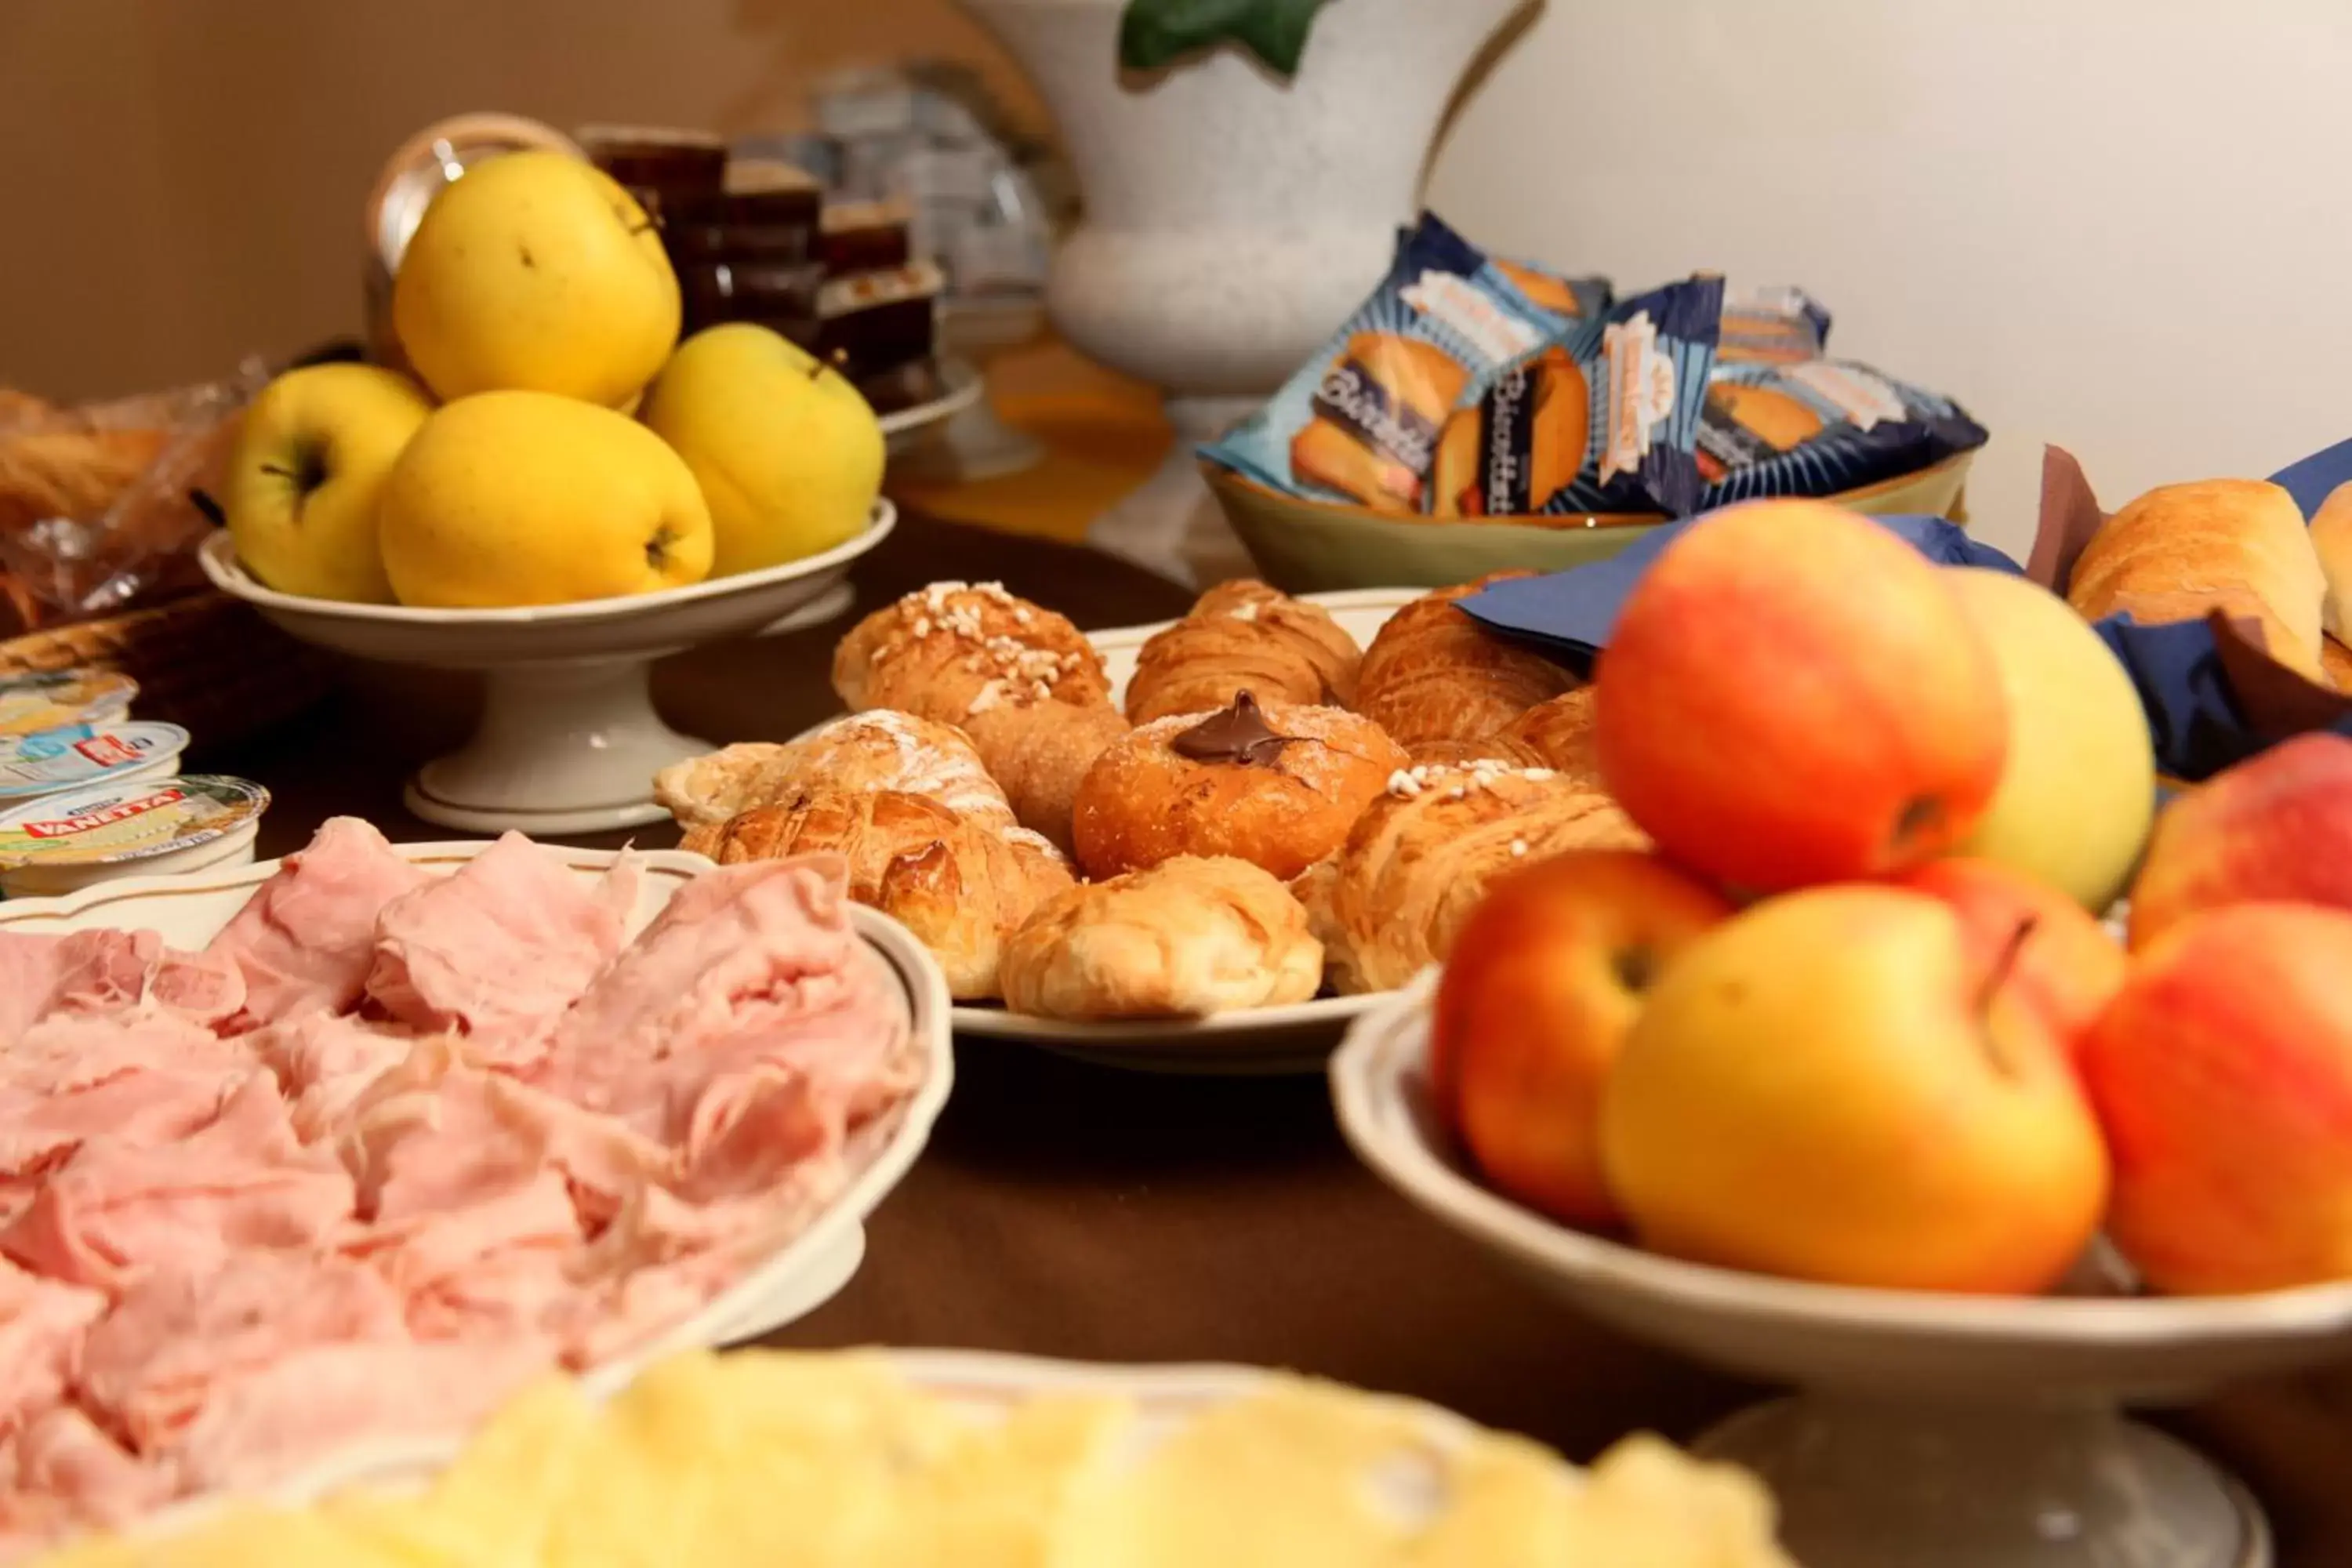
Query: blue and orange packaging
[1467, 386]
[1818, 427]
[1771, 324]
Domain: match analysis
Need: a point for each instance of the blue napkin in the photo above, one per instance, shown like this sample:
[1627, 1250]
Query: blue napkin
[1567, 615]
[2199, 720]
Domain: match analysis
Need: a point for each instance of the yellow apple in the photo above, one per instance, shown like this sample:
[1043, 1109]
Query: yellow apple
[524, 498]
[535, 271]
[788, 453]
[2078, 793]
[304, 479]
[1843, 1085]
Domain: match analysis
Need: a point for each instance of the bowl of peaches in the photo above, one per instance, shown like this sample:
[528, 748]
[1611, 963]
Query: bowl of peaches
[1863, 1081]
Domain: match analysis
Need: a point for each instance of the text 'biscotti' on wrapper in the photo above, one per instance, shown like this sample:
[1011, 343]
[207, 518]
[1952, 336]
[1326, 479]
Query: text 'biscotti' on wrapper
[1467, 386]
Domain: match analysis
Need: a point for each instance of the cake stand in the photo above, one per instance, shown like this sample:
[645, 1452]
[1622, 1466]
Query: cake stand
[907, 428]
[1932, 1431]
[568, 740]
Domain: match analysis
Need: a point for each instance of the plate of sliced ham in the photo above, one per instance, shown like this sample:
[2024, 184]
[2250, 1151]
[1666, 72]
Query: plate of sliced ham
[304, 1157]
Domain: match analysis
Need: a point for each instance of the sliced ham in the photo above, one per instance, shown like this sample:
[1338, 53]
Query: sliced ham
[761, 930]
[263, 1422]
[150, 1366]
[133, 1106]
[114, 1210]
[306, 939]
[42, 1324]
[325, 1062]
[501, 946]
[65, 1456]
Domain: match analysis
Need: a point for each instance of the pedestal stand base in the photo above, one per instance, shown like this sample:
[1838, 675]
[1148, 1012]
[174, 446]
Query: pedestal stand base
[1868, 1486]
[1170, 523]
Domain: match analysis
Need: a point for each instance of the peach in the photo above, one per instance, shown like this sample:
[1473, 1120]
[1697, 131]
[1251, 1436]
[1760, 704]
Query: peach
[2278, 827]
[1794, 695]
[1841, 1085]
[2065, 959]
[2223, 1075]
[1546, 977]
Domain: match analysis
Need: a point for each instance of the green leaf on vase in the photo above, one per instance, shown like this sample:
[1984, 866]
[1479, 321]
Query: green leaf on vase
[1155, 33]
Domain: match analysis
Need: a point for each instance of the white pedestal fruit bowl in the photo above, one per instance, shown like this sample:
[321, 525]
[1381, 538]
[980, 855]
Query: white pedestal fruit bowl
[568, 740]
[1930, 1431]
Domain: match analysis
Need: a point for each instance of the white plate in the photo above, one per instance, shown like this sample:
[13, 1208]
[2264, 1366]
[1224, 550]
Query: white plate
[1297, 1038]
[803, 1273]
[568, 740]
[1952, 1406]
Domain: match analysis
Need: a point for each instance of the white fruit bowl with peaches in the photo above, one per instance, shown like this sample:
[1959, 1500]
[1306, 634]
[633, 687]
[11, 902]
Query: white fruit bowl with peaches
[1843, 1086]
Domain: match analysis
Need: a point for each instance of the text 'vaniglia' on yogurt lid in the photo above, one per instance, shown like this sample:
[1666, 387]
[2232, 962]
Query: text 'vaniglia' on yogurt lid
[146, 827]
[46, 700]
[75, 754]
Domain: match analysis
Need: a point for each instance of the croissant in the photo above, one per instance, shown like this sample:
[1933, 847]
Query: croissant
[1455, 753]
[1558, 735]
[2181, 551]
[855, 755]
[1242, 636]
[962, 888]
[1434, 674]
[1389, 903]
[1018, 678]
[1188, 938]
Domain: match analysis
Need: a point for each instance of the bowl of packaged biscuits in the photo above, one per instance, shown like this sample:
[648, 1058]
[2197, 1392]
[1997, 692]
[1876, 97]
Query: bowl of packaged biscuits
[1202, 846]
[1477, 414]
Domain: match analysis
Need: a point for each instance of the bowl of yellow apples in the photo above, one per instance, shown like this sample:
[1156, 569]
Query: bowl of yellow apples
[551, 490]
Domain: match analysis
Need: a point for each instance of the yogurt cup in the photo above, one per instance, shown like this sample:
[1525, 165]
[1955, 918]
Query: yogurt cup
[63, 843]
[71, 755]
[51, 699]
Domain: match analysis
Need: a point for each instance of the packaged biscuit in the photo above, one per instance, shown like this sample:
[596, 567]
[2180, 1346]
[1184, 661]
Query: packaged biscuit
[1578, 298]
[1770, 324]
[1361, 421]
[1818, 427]
[1603, 422]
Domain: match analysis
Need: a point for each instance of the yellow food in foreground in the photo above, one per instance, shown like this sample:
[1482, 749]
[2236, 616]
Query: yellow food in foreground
[834, 1461]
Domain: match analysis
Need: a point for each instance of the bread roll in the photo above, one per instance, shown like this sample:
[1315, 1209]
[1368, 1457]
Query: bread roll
[1244, 637]
[1558, 734]
[1420, 858]
[1277, 786]
[962, 888]
[2331, 540]
[1186, 939]
[1435, 674]
[858, 754]
[2182, 551]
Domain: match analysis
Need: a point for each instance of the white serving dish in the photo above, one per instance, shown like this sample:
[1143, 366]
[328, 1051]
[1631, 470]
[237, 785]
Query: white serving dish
[803, 1273]
[980, 1384]
[568, 740]
[1932, 1431]
[1297, 1038]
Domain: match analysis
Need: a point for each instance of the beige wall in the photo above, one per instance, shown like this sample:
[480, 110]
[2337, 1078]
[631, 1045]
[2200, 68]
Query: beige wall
[180, 180]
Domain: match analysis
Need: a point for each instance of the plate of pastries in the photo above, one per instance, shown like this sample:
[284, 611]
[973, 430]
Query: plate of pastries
[1202, 846]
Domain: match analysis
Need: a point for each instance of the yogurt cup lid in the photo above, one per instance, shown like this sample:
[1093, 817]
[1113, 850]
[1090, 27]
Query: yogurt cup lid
[101, 824]
[32, 703]
[71, 755]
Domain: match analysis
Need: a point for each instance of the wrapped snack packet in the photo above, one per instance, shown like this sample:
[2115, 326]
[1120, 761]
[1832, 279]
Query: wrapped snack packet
[1818, 427]
[1577, 298]
[1771, 324]
[1604, 421]
[1360, 421]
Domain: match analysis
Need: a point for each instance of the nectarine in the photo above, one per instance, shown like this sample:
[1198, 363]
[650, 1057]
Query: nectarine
[2065, 959]
[1545, 979]
[2223, 1075]
[1841, 1085]
[1792, 695]
[2276, 827]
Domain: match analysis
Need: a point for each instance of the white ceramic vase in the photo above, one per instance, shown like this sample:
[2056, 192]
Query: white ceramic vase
[1232, 218]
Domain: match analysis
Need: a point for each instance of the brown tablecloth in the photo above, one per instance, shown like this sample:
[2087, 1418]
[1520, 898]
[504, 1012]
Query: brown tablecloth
[1071, 1210]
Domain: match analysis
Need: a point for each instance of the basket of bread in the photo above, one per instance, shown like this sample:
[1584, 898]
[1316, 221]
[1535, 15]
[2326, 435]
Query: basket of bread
[1205, 841]
[99, 534]
[1477, 414]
